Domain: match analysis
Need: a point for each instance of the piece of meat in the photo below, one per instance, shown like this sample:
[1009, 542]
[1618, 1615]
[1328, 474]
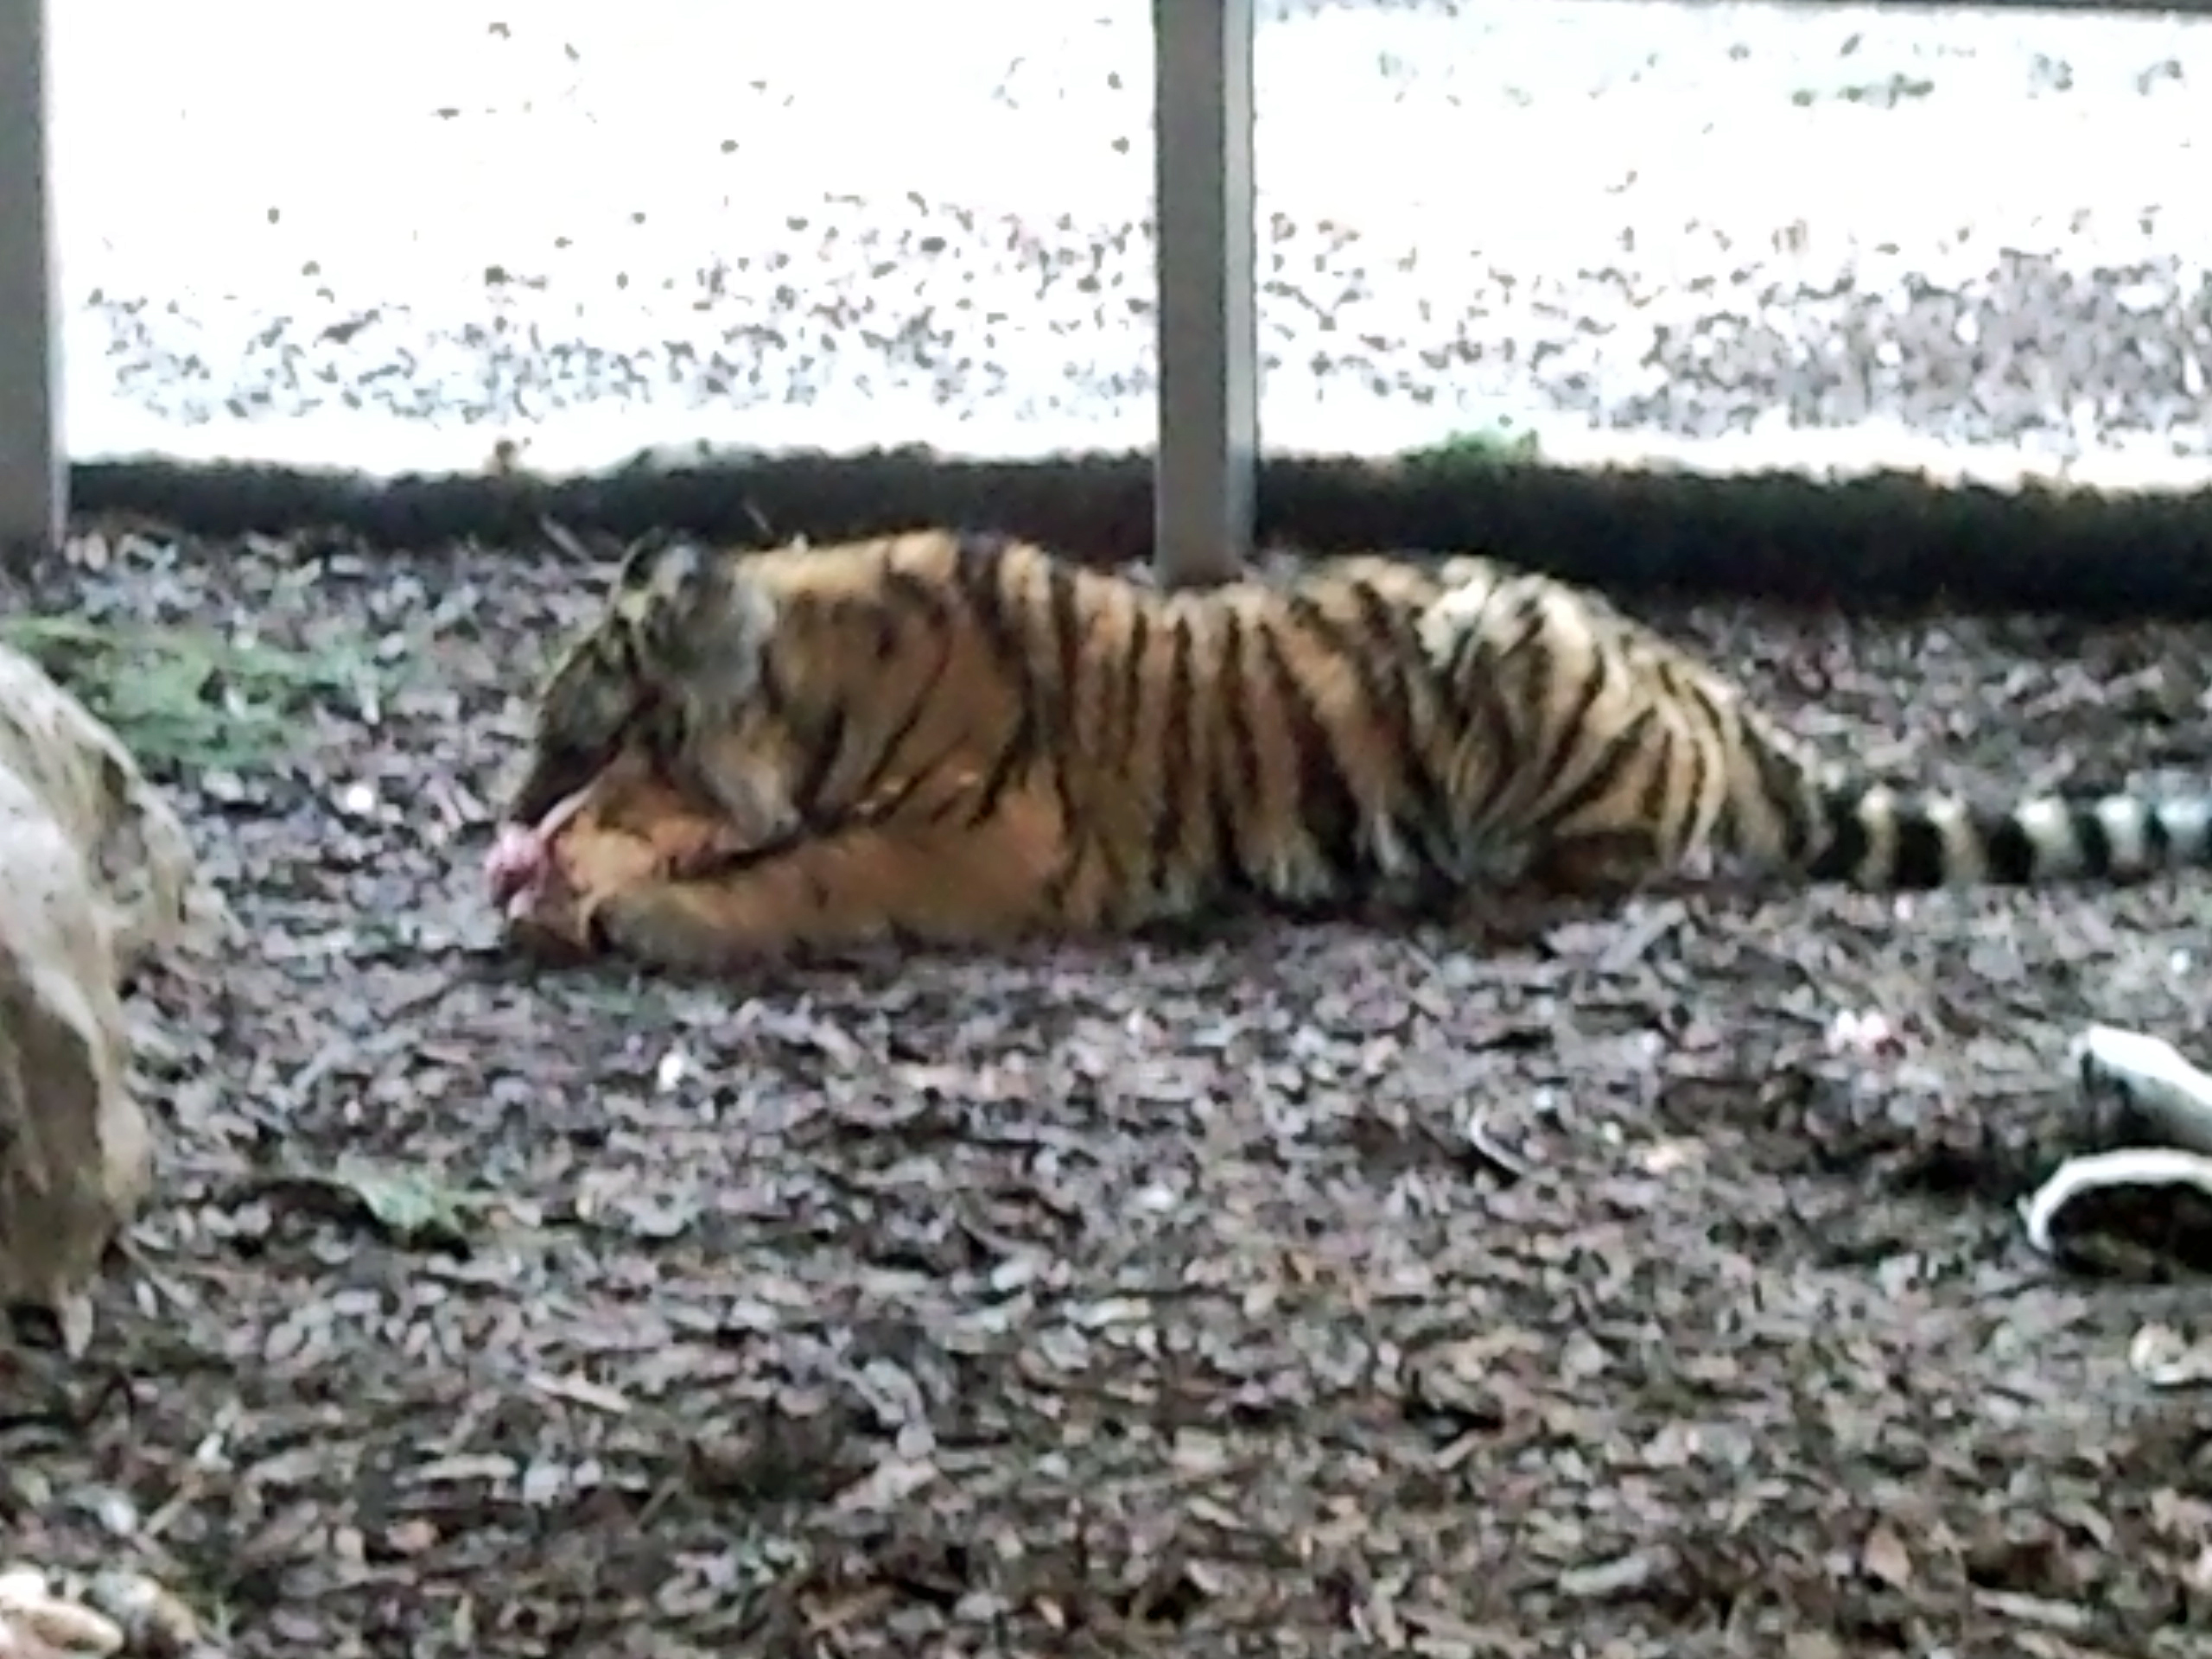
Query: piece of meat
[517, 865]
[521, 862]
[629, 826]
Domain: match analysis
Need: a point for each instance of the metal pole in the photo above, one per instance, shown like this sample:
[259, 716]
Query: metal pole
[1203, 478]
[33, 484]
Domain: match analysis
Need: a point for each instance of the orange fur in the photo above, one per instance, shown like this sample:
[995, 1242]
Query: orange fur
[953, 739]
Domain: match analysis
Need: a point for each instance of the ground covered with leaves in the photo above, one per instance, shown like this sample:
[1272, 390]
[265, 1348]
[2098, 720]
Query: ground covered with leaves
[1303, 1292]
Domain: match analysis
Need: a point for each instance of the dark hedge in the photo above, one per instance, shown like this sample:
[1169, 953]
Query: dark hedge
[1886, 541]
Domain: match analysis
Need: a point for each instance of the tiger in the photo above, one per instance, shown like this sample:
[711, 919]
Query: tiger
[948, 737]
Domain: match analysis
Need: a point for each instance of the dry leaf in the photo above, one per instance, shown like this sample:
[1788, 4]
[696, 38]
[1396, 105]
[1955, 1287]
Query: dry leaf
[1884, 1557]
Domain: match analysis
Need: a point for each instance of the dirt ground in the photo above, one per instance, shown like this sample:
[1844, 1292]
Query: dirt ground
[1304, 1292]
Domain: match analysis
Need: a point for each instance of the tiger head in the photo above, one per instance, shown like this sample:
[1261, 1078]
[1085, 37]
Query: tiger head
[679, 645]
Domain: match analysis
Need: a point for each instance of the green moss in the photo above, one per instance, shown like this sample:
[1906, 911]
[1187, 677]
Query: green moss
[1480, 449]
[189, 697]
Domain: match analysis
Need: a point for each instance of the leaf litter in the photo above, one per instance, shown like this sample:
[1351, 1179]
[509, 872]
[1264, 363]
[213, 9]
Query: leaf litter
[1290, 1291]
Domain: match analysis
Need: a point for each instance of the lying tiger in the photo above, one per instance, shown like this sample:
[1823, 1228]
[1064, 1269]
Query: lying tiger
[954, 739]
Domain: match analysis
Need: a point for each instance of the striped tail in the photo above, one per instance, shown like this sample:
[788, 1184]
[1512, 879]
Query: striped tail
[1884, 840]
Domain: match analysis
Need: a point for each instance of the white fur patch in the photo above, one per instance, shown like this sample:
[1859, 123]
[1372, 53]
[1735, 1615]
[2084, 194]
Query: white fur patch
[1450, 616]
[2189, 824]
[2124, 824]
[2049, 825]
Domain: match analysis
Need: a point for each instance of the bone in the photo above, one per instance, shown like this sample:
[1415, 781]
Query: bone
[521, 857]
[516, 863]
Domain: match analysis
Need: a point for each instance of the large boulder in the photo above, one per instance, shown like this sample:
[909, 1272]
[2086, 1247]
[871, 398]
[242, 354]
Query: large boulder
[97, 875]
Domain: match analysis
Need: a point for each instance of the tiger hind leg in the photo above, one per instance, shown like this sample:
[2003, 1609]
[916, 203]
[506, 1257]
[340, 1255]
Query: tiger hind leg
[1579, 879]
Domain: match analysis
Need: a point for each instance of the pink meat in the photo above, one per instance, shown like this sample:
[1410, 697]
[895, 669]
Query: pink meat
[517, 865]
[521, 859]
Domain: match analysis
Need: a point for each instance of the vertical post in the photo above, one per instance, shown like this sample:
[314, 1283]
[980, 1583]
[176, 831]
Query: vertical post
[34, 485]
[1203, 480]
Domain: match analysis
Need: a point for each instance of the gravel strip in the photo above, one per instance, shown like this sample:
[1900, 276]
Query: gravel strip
[1813, 232]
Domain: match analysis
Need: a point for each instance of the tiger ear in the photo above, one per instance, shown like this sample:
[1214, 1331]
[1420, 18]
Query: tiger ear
[659, 564]
[564, 541]
[696, 615]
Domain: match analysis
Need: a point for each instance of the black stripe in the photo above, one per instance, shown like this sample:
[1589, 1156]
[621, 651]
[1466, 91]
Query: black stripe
[893, 742]
[1568, 739]
[1489, 636]
[723, 863]
[771, 689]
[1323, 805]
[1048, 725]
[980, 574]
[2095, 841]
[1170, 810]
[1041, 704]
[982, 570]
[1920, 864]
[1498, 730]
[1849, 842]
[2157, 841]
[1527, 626]
[1335, 641]
[1064, 602]
[907, 605]
[1240, 779]
[882, 622]
[1660, 782]
[824, 745]
[1083, 738]
[1337, 818]
[1424, 817]
[907, 595]
[1120, 701]
[1017, 749]
[1614, 755]
[1118, 717]
[2010, 852]
[1785, 786]
[1722, 732]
